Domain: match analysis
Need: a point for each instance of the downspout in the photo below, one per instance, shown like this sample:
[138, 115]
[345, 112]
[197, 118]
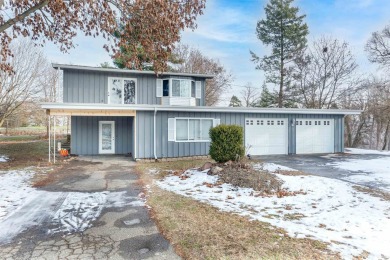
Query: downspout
[154, 135]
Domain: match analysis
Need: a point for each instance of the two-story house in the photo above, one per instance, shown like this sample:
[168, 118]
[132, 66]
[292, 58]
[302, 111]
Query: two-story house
[116, 111]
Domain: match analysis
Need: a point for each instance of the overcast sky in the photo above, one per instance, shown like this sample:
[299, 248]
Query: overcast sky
[226, 32]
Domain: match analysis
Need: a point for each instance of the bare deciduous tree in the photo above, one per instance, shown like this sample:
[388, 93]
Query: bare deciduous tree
[22, 85]
[191, 60]
[323, 73]
[378, 47]
[250, 95]
[371, 128]
[148, 25]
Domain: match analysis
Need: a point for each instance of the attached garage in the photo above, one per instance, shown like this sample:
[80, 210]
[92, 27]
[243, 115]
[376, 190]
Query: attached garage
[266, 136]
[315, 136]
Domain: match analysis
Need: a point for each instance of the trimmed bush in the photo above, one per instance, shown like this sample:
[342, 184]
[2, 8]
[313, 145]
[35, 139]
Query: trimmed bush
[227, 143]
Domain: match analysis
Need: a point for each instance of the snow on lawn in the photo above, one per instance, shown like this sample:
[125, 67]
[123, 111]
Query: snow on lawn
[3, 158]
[365, 151]
[22, 206]
[367, 170]
[331, 211]
[14, 190]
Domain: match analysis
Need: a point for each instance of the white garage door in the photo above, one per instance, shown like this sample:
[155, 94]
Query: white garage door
[266, 136]
[315, 136]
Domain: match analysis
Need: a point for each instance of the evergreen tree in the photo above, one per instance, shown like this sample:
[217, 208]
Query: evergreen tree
[285, 31]
[267, 99]
[235, 102]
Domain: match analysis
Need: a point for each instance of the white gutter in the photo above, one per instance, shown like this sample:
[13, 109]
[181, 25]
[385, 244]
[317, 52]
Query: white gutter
[154, 134]
[143, 72]
[99, 106]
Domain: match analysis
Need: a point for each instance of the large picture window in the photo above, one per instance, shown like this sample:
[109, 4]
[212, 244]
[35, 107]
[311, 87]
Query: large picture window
[122, 91]
[192, 129]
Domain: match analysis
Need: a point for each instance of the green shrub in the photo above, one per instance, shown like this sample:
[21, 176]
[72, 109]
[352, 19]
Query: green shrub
[226, 143]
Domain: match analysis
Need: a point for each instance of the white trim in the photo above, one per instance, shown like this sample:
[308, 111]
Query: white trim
[198, 89]
[188, 129]
[144, 72]
[135, 136]
[171, 130]
[112, 151]
[159, 88]
[123, 92]
[144, 107]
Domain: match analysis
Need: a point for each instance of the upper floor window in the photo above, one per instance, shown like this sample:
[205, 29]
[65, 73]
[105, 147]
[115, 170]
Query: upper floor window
[122, 90]
[183, 88]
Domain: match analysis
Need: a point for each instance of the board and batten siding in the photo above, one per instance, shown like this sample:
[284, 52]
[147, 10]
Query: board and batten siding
[85, 134]
[80, 86]
[167, 149]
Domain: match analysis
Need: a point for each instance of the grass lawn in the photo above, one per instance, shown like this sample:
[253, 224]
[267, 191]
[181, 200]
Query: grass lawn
[199, 231]
[20, 138]
[24, 154]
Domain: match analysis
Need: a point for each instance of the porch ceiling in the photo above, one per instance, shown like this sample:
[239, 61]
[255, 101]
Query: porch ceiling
[90, 112]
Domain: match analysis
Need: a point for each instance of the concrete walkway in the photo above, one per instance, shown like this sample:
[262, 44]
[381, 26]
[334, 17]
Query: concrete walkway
[115, 225]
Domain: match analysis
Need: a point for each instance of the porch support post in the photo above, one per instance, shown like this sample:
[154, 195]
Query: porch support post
[49, 138]
[54, 140]
[154, 135]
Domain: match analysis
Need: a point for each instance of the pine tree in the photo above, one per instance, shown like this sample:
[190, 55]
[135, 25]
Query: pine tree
[267, 99]
[235, 102]
[284, 30]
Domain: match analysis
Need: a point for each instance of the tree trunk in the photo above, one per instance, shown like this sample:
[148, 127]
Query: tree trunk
[349, 133]
[386, 136]
[280, 101]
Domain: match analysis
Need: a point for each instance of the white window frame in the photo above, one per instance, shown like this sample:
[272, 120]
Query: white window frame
[171, 86]
[198, 88]
[123, 96]
[215, 122]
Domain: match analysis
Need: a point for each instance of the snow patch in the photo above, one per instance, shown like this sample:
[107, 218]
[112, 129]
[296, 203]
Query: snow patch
[22, 206]
[365, 151]
[79, 209]
[3, 158]
[331, 211]
[272, 167]
[372, 170]
[14, 190]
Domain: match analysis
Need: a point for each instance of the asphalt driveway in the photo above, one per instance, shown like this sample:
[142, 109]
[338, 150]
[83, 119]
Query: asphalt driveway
[92, 209]
[326, 165]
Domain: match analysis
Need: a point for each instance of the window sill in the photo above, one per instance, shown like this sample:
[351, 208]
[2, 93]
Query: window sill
[192, 141]
[178, 101]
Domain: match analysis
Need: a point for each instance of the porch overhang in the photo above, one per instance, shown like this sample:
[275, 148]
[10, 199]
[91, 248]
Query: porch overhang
[129, 109]
[89, 112]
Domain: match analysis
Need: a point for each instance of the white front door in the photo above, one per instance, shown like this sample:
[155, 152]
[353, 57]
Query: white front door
[266, 136]
[315, 136]
[106, 137]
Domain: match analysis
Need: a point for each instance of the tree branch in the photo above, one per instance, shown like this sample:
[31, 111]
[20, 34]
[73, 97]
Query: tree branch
[23, 15]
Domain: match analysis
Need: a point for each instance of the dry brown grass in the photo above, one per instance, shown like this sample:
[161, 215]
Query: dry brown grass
[376, 193]
[199, 231]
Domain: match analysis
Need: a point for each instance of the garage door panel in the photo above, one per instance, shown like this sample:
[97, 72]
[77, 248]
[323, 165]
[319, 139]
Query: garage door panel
[314, 136]
[266, 136]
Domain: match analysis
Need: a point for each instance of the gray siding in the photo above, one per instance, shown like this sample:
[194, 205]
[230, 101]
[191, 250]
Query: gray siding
[85, 134]
[177, 149]
[92, 87]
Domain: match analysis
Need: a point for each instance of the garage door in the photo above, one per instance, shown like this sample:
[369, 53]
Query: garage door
[315, 136]
[266, 136]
